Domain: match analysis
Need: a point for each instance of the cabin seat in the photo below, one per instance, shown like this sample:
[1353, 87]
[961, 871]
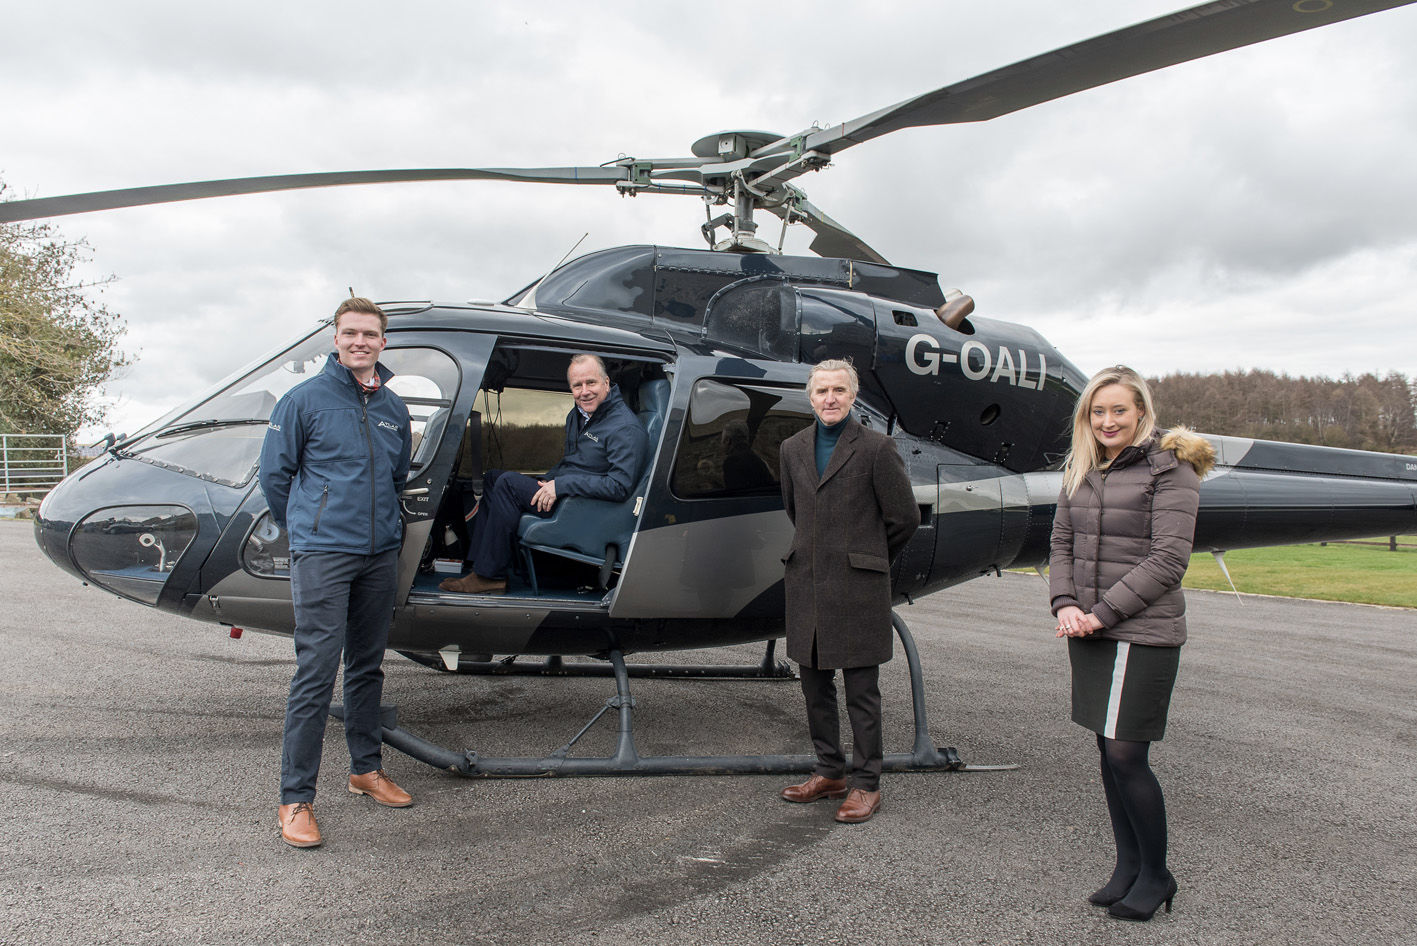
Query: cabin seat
[592, 530]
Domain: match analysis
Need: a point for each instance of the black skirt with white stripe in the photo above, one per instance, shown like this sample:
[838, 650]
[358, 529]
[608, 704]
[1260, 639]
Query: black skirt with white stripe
[1122, 690]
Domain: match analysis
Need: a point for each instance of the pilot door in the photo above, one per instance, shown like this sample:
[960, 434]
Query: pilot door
[437, 376]
[510, 415]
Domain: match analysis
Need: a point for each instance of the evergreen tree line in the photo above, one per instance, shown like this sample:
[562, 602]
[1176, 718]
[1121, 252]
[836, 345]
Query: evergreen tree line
[1366, 412]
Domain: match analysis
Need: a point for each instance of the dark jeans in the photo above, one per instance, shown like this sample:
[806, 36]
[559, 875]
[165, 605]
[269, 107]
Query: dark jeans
[343, 602]
[863, 708]
[506, 497]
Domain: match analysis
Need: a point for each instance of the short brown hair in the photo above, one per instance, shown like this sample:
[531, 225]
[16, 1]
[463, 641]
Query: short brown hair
[366, 306]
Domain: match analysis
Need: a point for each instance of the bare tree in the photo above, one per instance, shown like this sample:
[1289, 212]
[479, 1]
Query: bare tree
[1367, 412]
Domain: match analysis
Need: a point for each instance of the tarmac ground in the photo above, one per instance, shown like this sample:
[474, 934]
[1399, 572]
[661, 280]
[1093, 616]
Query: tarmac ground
[141, 753]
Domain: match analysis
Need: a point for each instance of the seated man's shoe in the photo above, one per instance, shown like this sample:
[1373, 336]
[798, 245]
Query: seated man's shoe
[859, 806]
[381, 788]
[815, 787]
[474, 584]
[297, 825]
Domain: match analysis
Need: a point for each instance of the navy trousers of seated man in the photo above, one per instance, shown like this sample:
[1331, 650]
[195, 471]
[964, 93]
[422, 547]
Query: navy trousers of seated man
[343, 602]
[863, 708]
[506, 497]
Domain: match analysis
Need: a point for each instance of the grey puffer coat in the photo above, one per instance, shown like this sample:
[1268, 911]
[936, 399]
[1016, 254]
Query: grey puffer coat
[1122, 542]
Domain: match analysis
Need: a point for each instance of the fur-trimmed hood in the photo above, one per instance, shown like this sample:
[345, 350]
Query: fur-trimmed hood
[1190, 447]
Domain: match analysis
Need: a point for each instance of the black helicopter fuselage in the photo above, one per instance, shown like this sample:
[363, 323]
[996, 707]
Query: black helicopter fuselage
[713, 350]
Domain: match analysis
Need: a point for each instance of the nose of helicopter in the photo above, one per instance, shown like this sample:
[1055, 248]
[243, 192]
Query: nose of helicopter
[117, 539]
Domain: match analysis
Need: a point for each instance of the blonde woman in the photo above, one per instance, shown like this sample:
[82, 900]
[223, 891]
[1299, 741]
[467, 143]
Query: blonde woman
[1121, 543]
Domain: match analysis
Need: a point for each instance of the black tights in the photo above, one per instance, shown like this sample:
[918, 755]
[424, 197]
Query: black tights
[1138, 813]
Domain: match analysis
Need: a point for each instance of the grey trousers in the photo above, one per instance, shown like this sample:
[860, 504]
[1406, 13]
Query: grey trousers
[343, 602]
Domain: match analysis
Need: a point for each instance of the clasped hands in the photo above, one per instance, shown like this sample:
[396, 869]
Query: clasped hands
[544, 498]
[1075, 622]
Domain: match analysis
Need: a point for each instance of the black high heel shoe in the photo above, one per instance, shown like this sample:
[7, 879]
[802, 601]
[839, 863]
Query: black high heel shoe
[1142, 912]
[1111, 892]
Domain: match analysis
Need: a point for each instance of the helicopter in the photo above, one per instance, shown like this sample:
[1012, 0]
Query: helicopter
[712, 348]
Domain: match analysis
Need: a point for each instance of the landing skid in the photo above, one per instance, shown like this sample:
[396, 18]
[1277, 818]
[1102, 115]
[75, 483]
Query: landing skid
[770, 668]
[924, 757]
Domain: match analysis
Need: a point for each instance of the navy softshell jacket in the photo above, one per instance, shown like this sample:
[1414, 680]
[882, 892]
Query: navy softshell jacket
[334, 462]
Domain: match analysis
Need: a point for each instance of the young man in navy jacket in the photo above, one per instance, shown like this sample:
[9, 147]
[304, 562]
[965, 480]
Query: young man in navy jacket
[334, 462]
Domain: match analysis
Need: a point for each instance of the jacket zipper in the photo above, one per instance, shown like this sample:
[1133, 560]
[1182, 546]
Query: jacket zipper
[369, 443]
[324, 498]
[1097, 553]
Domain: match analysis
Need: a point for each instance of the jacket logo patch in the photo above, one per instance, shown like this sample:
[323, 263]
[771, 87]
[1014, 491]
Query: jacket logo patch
[387, 426]
[275, 427]
[592, 436]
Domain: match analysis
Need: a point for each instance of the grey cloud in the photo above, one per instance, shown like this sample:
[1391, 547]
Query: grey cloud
[1173, 199]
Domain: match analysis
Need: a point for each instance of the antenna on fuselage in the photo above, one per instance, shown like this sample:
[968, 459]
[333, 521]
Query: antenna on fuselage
[528, 301]
[1219, 555]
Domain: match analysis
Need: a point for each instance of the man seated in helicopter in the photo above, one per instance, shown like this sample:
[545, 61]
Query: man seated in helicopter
[606, 451]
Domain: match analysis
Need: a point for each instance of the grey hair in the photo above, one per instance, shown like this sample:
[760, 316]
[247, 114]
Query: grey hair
[836, 364]
[587, 356]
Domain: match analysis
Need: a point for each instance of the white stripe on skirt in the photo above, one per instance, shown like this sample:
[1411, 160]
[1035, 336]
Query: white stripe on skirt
[1114, 695]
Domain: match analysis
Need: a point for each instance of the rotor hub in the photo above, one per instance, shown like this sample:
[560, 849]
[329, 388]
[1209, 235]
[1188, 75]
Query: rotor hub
[732, 145]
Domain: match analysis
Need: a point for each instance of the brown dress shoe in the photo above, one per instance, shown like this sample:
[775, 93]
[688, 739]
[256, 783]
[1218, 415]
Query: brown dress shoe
[381, 788]
[297, 825]
[815, 787]
[474, 584]
[859, 806]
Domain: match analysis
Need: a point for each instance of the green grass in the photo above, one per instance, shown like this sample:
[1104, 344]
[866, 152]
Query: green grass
[1366, 574]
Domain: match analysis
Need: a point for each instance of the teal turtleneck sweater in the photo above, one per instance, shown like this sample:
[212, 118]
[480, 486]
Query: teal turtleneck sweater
[826, 442]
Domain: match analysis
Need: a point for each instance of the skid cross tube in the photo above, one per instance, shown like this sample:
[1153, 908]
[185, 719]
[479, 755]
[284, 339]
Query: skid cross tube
[924, 756]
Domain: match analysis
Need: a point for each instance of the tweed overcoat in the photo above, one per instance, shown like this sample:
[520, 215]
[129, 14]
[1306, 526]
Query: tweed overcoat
[1122, 542]
[850, 523]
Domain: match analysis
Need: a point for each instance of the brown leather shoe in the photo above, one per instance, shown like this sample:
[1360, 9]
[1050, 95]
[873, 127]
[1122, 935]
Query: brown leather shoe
[815, 787]
[859, 806]
[297, 825]
[381, 788]
[474, 584]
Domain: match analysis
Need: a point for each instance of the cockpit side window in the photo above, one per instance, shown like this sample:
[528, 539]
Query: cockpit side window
[730, 441]
[220, 439]
[427, 381]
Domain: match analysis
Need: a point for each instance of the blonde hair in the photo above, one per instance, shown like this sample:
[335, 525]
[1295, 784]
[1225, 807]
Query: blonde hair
[1085, 455]
[836, 364]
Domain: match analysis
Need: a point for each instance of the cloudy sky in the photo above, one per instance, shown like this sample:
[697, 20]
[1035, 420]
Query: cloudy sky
[1255, 209]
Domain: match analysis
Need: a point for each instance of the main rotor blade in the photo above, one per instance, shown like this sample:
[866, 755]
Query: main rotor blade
[1165, 41]
[832, 238]
[14, 210]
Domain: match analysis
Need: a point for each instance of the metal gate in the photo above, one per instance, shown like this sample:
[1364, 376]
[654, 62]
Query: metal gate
[32, 463]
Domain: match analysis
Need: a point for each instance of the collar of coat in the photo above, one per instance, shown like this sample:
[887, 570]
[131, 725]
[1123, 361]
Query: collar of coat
[1161, 461]
[845, 447]
[337, 370]
[602, 409]
[1165, 450]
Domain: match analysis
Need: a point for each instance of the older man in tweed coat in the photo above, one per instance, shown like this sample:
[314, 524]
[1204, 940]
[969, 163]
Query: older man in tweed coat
[847, 493]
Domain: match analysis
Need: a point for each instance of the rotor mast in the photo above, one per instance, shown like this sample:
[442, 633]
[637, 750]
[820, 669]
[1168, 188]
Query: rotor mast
[727, 180]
